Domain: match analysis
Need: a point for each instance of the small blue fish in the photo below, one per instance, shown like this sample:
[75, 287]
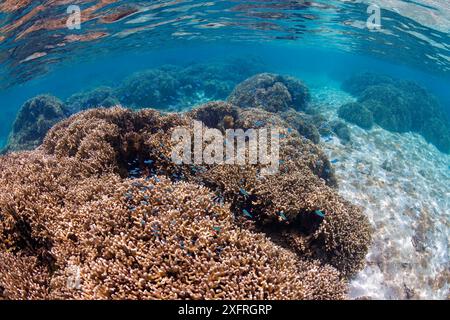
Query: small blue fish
[247, 214]
[137, 185]
[320, 213]
[282, 215]
[243, 192]
[129, 196]
[334, 161]
[148, 162]
[219, 250]
[132, 208]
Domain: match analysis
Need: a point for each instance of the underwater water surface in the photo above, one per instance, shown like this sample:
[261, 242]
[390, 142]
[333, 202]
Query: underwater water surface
[363, 85]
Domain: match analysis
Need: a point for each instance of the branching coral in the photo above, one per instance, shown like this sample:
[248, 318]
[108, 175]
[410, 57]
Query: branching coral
[299, 188]
[116, 238]
[101, 211]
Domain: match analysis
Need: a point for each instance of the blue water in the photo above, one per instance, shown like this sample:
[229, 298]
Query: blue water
[322, 43]
[312, 40]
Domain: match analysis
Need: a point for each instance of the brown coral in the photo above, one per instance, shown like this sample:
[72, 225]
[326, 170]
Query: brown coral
[140, 239]
[90, 213]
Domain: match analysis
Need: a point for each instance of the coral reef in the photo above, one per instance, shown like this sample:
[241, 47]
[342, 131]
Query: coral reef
[357, 83]
[303, 123]
[33, 121]
[389, 107]
[358, 114]
[217, 80]
[341, 130]
[99, 97]
[156, 88]
[398, 106]
[270, 92]
[102, 199]
[176, 244]
[181, 87]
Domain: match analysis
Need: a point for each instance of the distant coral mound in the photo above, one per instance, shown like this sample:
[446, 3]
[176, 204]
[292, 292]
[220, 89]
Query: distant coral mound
[100, 211]
[357, 83]
[181, 87]
[153, 88]
[33, 121]
[398, 106]
[275, 94]
[96, 98]
[358, 114]
[271, 92]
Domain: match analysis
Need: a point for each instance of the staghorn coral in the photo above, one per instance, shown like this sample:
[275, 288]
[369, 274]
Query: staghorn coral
[138, 239]
[270, 92]
[300, 187]
[33, 121]
[102, 196]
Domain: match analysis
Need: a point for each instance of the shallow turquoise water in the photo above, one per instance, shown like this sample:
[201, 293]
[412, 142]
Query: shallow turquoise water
[320, 42]
[321, 37]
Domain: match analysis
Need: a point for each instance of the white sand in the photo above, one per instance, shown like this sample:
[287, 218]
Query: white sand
[403, 184]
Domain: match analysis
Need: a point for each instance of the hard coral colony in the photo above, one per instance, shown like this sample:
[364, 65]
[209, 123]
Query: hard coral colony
[99, 210]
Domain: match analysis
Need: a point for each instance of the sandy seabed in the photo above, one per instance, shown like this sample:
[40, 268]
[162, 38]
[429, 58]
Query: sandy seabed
[402, 182]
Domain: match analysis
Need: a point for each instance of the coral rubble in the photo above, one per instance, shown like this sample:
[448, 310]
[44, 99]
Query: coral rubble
[151, 88]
